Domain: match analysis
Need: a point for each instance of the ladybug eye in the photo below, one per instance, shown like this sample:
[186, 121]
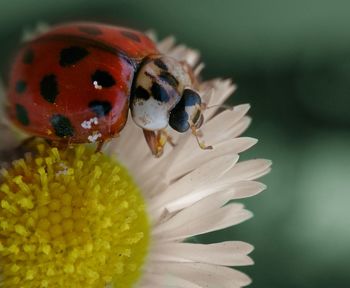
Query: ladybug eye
[191, 98]
[178, 119]
[187, 112]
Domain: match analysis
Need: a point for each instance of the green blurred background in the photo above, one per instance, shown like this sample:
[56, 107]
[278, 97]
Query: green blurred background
[291, 61]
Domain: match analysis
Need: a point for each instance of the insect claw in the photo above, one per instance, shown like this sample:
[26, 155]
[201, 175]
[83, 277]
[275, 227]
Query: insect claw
[204, 147]
[201, 144]
[168, 137]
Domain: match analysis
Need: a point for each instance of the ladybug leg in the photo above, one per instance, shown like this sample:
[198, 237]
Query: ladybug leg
[168, 137]
[170, 140]
[197, 134]
[99, 146]
[50, 142]
[61, 145]
[156, 141]
[26, 142]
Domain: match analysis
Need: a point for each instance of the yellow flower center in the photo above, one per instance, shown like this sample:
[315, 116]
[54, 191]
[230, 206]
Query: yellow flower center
[71, 218]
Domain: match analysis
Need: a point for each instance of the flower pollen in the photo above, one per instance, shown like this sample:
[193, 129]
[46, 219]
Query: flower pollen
[84, 227]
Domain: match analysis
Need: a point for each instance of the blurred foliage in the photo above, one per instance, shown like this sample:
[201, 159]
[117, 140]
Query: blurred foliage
[291, 61]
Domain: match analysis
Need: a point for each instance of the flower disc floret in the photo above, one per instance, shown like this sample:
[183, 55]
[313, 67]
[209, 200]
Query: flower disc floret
[70, 218]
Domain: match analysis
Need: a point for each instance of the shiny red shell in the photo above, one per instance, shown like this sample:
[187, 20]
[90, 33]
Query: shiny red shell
[73, 83]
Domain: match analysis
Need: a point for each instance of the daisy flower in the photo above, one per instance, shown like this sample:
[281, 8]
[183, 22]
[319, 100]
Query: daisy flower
[76, 218]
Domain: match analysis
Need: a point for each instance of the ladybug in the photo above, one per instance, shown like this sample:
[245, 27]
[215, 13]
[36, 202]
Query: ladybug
[76, 83]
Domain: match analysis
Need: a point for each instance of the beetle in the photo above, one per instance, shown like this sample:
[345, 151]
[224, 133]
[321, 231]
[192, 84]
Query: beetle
[77, 82]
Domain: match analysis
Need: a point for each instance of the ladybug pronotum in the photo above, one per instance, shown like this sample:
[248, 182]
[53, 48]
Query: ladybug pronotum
[76, 83]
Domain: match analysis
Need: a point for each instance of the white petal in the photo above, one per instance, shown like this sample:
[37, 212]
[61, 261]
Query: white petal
[31, 33]
[199, 69]
[198, 178]
[165, 280]
[227, 118]
[201, 205]
[131, 149]
[152, 34]
[183, 53]
[182, 227]
[220, 126]
[215, 195]
[166, 44]
[189, 159]
[238, 186]
[198, 157]
[204, 275]
[239, 145]
[249, 170]
[230, 253]
[222, 90]
[246, 189]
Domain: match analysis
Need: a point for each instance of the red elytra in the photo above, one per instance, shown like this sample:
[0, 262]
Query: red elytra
[73, 73]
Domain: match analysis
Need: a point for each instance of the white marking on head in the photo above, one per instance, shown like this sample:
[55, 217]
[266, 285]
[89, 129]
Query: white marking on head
[150, 114]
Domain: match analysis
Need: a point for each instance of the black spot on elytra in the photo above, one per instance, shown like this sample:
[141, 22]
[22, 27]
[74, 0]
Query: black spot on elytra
[72, 55]
[90, 30]
[131, 36]
[21, 86]
[22, 115]
[141, 93]
[178, 118]
[49, 88]
[62, 126]
[28, 56]
[159, 93]
[158, 62]
[103, 78]
[169, 78]
[100, 108]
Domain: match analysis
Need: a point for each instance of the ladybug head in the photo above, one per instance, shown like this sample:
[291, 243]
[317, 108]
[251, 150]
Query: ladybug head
[163, 95]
